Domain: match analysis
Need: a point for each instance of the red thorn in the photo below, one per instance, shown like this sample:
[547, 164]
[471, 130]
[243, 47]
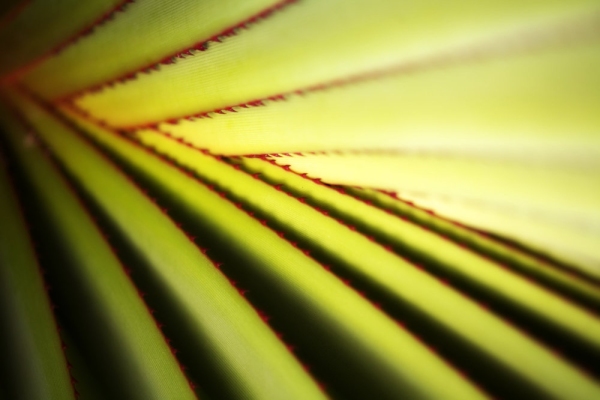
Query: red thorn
[263, 316]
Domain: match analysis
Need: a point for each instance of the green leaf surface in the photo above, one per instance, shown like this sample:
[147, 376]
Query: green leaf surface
[242, 348]
[32, 361]
[101, 301]
[360, 340]
[407, 284]
[564, 278]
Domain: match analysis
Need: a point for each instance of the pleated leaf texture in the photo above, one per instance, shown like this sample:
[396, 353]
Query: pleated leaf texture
[299, 199]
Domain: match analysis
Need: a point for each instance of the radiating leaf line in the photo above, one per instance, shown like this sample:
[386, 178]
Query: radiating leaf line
[106, 136]
[523, 260]
[475, 54]
[18, 73]
[580, 290]
[331, 317]
[238, 347]
[511, 254]
[464, 267]
[33, 361]
[181, 54]
[281, 53]
[98, 295]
